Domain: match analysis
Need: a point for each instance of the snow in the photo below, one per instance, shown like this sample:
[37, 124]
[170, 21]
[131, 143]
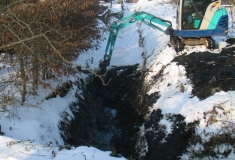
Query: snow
[27, 150]
[31, 132]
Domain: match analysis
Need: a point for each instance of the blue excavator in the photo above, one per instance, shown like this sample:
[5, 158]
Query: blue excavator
[197, 21]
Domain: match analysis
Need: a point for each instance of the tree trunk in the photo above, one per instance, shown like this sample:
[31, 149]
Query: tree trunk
[43, 67]
[35, 74]
[22, 76]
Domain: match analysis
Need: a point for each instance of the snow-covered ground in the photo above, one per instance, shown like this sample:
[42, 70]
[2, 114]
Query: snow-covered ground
[32, 133]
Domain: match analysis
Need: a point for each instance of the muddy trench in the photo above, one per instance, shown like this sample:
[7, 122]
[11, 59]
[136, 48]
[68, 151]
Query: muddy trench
[116, 118]
[107, 116]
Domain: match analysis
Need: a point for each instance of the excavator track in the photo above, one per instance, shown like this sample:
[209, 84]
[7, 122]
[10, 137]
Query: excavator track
[210, 43]
[176, 43]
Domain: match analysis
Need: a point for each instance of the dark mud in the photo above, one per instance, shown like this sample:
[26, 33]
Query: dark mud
[107, 115]
[210, 72]
[167, 146]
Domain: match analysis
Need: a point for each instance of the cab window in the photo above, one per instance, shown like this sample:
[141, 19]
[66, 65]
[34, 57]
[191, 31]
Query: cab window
[192, 13]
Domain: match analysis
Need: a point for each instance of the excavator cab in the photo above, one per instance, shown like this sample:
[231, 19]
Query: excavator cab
[201, 15]
[198, 20]
[192, 14]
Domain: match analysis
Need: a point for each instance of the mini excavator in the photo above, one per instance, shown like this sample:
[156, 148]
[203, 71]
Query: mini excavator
[197, 21]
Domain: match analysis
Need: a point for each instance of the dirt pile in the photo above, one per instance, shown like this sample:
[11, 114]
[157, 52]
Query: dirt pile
[210, 72]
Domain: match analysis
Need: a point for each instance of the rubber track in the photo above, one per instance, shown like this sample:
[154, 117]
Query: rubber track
[210, 43]
[177, 43]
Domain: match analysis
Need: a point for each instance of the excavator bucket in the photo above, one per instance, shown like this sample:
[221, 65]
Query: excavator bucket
[103, 66]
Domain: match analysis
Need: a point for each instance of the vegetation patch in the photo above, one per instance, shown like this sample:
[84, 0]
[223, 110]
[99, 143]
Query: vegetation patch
[40, 40]
[214, 144]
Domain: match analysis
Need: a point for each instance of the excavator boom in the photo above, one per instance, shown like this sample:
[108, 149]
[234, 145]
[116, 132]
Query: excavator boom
[148, 19]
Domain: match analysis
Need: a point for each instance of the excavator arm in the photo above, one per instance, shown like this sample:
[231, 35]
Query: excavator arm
[148, 19]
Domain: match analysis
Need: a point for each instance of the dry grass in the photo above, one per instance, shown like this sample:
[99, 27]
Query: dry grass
[214, 145]
[182, 88]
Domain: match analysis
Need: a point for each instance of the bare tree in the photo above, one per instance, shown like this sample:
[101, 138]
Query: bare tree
[42, 38]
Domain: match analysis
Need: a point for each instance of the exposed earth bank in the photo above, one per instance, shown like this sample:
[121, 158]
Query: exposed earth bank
[113, 117]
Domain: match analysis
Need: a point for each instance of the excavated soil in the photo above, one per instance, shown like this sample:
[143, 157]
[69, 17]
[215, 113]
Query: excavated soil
[210, 72]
